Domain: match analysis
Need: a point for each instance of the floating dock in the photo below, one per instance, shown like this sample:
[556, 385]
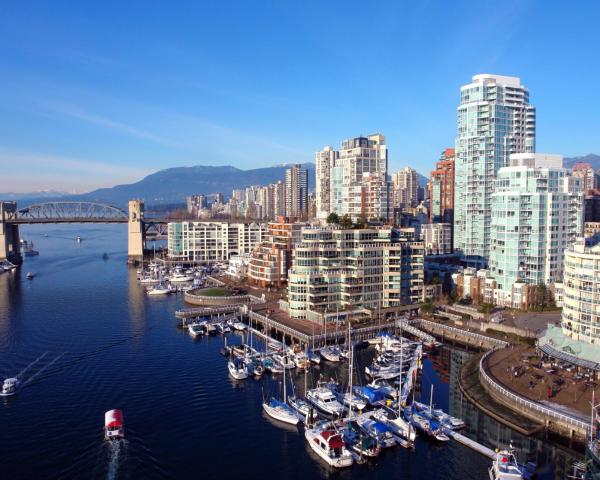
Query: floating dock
[472, 444]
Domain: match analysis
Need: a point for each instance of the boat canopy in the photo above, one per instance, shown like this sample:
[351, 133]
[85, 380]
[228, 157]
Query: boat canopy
[113, 419]
[372, 395]
[380, 427]
[334, 439]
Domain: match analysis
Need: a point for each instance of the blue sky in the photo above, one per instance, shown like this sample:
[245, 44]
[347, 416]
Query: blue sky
[99, 93]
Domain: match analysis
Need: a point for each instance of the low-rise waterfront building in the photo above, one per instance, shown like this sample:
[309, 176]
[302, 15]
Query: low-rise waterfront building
[270, 261]
[348, 272]
[211, 241]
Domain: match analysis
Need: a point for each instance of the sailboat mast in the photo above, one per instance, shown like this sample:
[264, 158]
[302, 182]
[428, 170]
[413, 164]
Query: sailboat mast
[431, 399]
[284, 389]
[400, 377]
[351, 358]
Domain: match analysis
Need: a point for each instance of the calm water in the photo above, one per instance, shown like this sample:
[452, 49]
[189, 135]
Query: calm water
[114, 347]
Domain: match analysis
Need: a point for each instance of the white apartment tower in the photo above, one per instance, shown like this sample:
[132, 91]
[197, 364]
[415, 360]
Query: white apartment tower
[536, 213]
[324, 162]
[495, 120]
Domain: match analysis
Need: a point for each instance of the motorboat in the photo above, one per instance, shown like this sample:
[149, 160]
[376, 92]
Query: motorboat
[196, 329]
[280, 411]
[505, 466]
[398, 425]
[78, 239]
[160, 289]
[114, 428]
[329, 446]
[284, 360]
[150, 280]
[237, 368]
[223, 328]
[181, 278]
[301, 407]
[357, 440]
[331, 353]
[30, 275]
[380, 432]
[211, 328]
[240, 326]
[323, 399]
[351, 399]
[9, 387]
[270, 366]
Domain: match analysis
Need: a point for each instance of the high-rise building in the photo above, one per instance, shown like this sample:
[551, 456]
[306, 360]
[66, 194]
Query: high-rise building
[324, 162]
[581, 307]
[405, 188]
[586, 173]
[354, 180]
[437, 238]
[495, 120]
[536, 213]
[279, 199]
[296, 192]
[195, 203]
[441, 189]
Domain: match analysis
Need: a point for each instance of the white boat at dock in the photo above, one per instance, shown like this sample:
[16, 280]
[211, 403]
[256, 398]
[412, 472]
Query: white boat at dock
[196, 329]
[331, 353]
[10, 386]
[284, 360]
[240, 326]
[324, 400]
[505, 466]
[237, 368]
[181, 278]
[223, 327]
[160, 289]
[329, 446]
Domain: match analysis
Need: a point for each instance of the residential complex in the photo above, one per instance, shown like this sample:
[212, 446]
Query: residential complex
[581, 297]
[405, 188]
[271, 259]
[437, 238]
[441, 189]
[585, 172]
[495, 119]
[348, 273]
[536, 213]
[212, 241]
[353, 181]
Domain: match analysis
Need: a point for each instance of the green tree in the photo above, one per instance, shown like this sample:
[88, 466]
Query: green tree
[346, 221]
[333, 218]
[542, 295]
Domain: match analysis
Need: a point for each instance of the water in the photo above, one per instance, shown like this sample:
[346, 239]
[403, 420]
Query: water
[114, 347]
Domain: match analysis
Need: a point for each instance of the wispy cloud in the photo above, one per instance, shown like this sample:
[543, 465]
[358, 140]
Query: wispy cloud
[38, 171]
[74, 111]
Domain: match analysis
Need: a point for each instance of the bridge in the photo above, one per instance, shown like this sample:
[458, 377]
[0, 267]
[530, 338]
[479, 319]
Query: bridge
[140, 228]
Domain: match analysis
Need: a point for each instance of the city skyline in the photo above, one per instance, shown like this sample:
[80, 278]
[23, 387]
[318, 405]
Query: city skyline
[89, 103]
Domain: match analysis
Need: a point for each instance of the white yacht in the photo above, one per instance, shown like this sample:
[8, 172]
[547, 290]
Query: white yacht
[237, 368]
[239, 326]
[160, 289]
[323, 399]
[223, 328]
[196, 329]
[396, 423]
[181, 278]
[505, 467]
[9, 387]
[329, 446]
[331, 353]
[283, 360]
[280, 411]
[113, 425]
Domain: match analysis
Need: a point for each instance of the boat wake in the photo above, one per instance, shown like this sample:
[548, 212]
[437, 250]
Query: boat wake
[42, 370]
[22, 373]
[116, 451]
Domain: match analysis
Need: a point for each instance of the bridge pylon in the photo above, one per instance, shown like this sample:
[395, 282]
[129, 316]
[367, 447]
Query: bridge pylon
[10, 247]
[135, 232]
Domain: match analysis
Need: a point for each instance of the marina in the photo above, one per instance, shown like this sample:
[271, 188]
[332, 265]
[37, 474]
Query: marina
[134, 337]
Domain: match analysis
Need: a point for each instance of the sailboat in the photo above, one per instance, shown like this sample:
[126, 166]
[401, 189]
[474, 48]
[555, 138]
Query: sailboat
[237, 368]
[281, 410]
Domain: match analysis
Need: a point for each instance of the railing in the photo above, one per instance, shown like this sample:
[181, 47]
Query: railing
[476, 336]
[549, 412]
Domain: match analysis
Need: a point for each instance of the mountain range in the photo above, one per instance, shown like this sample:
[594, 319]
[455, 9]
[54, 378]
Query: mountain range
[172, 185]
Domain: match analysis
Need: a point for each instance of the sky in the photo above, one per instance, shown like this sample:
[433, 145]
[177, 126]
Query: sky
[94, 94]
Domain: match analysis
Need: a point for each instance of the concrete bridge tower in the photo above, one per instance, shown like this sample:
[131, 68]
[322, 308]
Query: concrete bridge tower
[135, 232]
[10, 247]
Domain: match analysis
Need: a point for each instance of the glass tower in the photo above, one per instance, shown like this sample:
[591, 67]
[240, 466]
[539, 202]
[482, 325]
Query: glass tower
[495, 119]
